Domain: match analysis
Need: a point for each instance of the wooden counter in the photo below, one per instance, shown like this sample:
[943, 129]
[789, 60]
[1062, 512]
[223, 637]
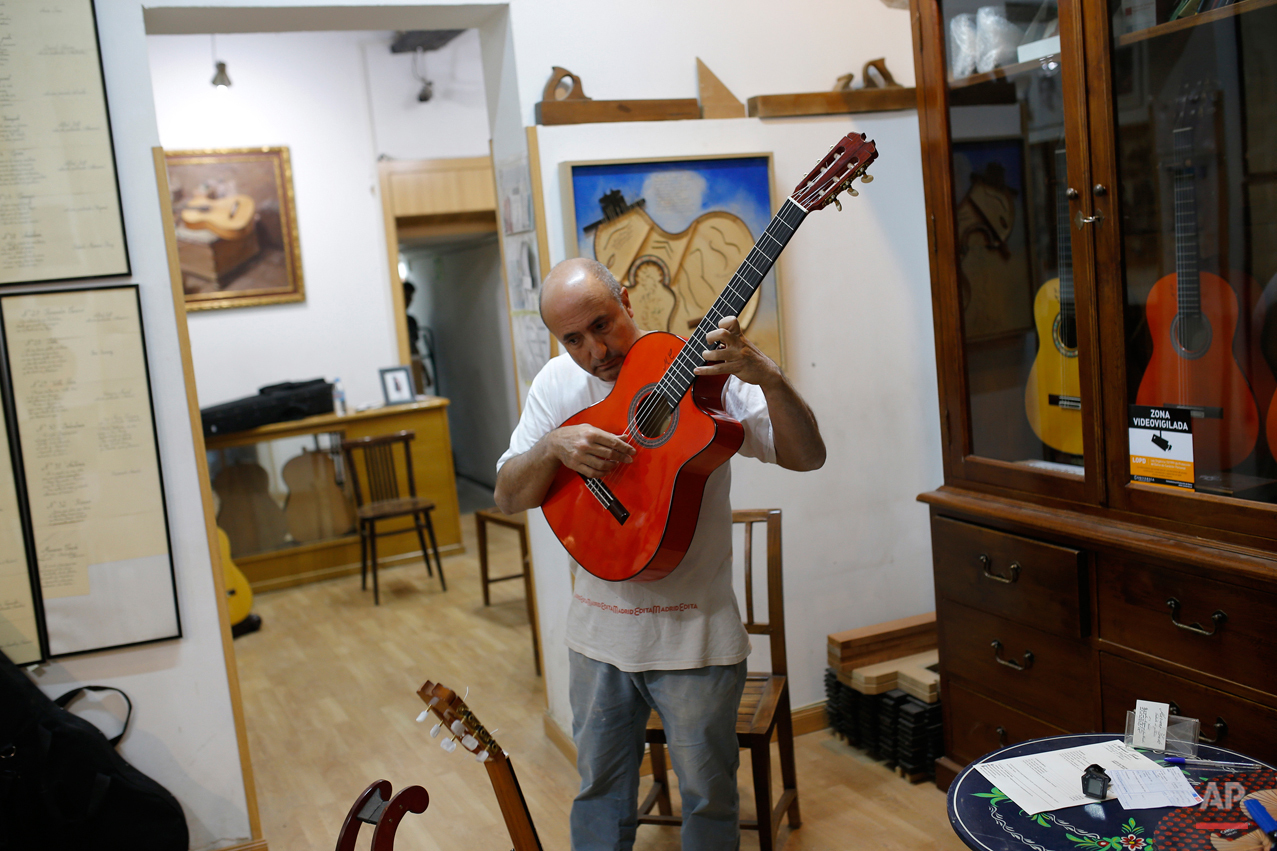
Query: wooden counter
[432, 468]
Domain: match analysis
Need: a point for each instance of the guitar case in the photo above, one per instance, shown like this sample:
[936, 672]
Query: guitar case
[63, 786]
[275, 403]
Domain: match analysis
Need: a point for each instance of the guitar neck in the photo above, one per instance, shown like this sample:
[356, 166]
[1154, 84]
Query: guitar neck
[678, 378]
[1188, 286]
[514, 808]
[1064, 238]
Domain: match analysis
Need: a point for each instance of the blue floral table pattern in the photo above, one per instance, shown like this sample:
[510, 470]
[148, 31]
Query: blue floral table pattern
[987, 820]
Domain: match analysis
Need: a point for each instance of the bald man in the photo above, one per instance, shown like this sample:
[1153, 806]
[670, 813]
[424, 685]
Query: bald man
[675, 645]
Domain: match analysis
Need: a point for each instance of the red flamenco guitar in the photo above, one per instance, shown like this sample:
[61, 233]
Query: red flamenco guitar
[1192, 316]
[636, 522]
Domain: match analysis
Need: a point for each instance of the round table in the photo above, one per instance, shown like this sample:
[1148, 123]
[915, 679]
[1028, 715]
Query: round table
[986, 820]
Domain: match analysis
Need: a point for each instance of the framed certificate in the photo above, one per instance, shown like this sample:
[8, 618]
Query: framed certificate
[87, 457]
[60, 214]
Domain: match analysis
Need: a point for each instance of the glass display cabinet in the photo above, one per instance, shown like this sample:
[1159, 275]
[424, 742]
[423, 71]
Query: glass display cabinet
[1101, 188]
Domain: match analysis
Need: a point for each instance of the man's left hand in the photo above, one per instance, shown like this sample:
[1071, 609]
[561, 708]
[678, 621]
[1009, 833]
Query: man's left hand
[738, 356]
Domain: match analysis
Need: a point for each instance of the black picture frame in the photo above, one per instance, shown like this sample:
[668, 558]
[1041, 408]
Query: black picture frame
[396, 385]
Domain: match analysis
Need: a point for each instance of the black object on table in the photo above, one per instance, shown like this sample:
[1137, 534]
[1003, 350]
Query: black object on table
[986, 820]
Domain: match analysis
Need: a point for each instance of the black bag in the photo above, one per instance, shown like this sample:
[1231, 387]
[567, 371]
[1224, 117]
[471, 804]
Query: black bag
[274, 403]
[63, 786]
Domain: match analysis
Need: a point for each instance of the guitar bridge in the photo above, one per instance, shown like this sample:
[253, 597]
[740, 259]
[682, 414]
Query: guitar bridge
[607, 499]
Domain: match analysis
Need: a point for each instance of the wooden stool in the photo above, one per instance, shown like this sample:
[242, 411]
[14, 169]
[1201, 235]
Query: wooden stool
[518, 522]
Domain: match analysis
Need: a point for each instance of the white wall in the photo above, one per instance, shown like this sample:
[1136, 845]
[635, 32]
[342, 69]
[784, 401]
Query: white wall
[856, 305]
[318, 94]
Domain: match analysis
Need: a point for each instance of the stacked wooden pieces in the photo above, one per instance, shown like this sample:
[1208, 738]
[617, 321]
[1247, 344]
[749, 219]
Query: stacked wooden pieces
[856, 648]
[885, 676]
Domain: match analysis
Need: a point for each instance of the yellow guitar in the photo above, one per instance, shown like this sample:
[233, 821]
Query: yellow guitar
[1052, 399]
[239, 594]
[229, 217]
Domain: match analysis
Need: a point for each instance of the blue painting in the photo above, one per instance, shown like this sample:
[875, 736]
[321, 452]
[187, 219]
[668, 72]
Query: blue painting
[673, 232]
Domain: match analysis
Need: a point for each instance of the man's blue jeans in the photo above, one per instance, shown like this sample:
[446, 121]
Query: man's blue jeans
[609, 716]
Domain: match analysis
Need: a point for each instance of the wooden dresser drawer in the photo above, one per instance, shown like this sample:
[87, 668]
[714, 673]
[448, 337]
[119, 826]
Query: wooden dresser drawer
[980, 725]
[1241, 724]
[1054, 681]
[1135, 610]
[1021, 579]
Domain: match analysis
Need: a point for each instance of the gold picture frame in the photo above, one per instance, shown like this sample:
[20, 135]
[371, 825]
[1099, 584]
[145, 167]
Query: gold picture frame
[236, 222]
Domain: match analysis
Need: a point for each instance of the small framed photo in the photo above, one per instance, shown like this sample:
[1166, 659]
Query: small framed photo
[396, 385]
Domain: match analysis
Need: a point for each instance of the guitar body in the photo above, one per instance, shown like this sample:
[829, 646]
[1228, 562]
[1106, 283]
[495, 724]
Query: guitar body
[663, 486]
[229, 217]
[1054, 374]
[1211, 379]
[239, 594]
[317, 509]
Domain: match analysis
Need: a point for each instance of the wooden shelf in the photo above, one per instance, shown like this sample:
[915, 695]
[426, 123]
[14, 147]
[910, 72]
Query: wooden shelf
[1194, 21]
[1012, 70]
[833, 103]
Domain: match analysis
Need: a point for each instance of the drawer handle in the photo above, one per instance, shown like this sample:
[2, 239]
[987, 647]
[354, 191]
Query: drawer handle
[1013, 572]
[1218, 619]
[1011, 663]
[1221, 730]
[1002, 735]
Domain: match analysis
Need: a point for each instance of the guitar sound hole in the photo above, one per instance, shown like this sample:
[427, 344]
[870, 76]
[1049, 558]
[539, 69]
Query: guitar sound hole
[1191, 334]
[654, 416]
[1065, 333]
[653, 420]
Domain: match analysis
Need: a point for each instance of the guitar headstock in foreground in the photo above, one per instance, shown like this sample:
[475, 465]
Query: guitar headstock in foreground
[845, 161]
[455, 717]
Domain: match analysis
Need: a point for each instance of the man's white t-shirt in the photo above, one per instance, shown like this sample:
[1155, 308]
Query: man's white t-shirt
[689, 619]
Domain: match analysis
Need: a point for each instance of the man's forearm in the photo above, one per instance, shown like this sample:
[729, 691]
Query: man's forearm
[795, 433]
[524, 479]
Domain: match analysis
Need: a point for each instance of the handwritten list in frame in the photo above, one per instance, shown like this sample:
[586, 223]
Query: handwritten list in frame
[19, 604]
[60, 214]
[85, 429]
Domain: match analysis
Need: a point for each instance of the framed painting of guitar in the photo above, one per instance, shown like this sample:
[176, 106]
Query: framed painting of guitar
[673, 231]
[236, 223]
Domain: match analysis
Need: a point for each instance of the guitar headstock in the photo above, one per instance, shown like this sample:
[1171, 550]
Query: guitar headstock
[845, 161]
[459, 722]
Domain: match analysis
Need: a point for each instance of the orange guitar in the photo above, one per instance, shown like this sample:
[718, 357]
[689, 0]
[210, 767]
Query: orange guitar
[637, 521]
[1264, 335]
[463, 728]
[1052, 398]
[229, 217]
[1192, 316]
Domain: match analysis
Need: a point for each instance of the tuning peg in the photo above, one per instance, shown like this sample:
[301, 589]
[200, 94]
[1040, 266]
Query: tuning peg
[432, 702]
[434, 731]
[866, 178]
[425, 713]
[449, 745]
[457, 728]
[469, 742]
[837, 203]
[852, 192]
[482, 756]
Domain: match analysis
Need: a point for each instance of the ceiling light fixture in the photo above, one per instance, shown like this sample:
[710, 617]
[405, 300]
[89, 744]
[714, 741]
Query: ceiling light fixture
[427, 88]
[221, 81]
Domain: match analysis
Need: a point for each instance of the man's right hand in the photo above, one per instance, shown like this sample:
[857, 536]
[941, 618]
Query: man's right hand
[589, 451]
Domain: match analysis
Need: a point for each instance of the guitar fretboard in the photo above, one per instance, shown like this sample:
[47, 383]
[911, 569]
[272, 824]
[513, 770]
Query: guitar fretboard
[1188, 287]
[679, 376]
[1064, 238]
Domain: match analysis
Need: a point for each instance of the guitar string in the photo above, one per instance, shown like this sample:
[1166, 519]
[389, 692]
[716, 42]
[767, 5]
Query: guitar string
[651, 405]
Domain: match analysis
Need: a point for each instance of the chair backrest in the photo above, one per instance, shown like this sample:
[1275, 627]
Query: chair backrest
[379, 468]
[774, 626]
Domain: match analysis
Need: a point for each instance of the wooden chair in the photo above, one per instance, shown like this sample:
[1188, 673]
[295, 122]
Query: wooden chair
[518, 522]
[764, 707]
[385, 501]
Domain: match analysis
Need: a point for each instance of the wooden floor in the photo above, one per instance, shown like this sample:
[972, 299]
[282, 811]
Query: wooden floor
[329, 696]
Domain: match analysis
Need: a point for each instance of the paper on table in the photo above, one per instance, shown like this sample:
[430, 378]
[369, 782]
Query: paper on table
[1150, 725]
[1145, 789]
[1053, 780]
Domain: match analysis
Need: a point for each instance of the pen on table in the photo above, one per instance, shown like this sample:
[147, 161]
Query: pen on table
[1211, 763]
